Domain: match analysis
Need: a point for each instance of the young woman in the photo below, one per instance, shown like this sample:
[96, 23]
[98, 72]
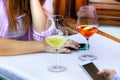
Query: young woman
[23, 27]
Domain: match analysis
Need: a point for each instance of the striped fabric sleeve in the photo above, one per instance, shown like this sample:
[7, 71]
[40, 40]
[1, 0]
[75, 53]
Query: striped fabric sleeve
[48, 7]
[50, 31]
[1, 4]
[48, 10]
[3, 18]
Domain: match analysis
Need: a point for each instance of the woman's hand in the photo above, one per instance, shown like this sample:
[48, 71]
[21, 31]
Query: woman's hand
[107, 73]
[69, 44]
[48, 48]
[64, 48]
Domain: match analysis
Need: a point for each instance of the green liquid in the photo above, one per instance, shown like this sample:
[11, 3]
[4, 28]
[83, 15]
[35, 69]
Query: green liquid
[56, 41]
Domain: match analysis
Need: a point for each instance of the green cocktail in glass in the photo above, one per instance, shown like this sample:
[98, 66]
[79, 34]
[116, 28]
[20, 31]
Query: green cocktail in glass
[56, 42]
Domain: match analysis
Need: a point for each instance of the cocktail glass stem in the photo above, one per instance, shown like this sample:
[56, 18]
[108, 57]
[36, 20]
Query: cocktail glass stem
[87, 56]
[88, 45]
[57, 58]
[57, 67]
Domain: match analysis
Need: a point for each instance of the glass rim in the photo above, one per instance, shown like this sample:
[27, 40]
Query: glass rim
[87, 7]
[57, 17]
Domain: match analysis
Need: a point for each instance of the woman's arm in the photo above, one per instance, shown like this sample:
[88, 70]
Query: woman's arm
[15, 47]
[10, 47]
[38, 17]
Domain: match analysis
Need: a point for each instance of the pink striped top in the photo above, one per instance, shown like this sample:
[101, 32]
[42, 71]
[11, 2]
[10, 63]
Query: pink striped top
[30, 34]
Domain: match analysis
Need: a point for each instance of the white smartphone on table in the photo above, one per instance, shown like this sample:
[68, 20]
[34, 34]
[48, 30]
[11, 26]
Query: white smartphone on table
[91, 70]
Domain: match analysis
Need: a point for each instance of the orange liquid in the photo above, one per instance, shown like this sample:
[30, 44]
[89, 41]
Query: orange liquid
[87, 31]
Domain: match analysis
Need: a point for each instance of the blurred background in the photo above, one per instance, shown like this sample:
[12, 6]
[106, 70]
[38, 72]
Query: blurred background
[108, 12]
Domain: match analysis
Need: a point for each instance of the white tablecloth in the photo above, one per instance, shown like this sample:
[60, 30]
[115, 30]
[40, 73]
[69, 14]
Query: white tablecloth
[34, 66]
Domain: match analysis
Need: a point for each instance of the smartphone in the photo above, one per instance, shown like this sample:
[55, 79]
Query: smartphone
[83, 46]
[91, 70]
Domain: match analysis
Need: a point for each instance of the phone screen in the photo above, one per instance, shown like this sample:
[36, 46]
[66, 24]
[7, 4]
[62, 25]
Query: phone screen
[92, 71]
[82, 47]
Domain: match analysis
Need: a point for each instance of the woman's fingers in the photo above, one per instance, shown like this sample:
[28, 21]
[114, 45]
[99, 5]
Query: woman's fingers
[64, 50]
[71, 44]
[107, 73]
[67, 45]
